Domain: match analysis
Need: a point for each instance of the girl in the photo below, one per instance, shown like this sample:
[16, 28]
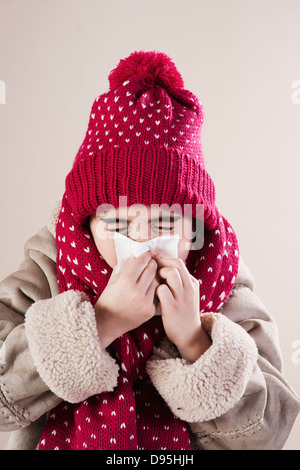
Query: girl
[93, 366]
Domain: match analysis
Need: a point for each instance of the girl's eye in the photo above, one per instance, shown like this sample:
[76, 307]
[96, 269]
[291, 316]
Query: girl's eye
[163, 228]
[123, 229]
[117, 229]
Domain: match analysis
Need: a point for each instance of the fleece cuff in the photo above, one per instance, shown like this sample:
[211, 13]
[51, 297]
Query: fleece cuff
[214, 383]
[64, 344]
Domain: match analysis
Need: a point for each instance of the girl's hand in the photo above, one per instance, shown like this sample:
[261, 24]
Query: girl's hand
[128, 299]
[180, 308]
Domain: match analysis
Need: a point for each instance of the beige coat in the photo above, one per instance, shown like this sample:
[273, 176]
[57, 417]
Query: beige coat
[233, 397]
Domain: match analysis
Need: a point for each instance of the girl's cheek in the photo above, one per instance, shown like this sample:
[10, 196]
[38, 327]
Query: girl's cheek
[104, 243]
[107, 250]
[185, 232]
[184, 248]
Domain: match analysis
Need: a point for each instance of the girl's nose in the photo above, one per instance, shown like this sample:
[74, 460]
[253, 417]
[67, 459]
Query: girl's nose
[139, 234]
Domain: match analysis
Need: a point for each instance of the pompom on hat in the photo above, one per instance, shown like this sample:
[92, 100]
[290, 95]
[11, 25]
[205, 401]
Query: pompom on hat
[143, 141]
[146, 70]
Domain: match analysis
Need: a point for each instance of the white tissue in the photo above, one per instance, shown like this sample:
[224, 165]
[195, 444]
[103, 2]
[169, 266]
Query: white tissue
[166, 245]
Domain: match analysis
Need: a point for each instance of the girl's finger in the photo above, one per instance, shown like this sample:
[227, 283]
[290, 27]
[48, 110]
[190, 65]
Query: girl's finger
[173, 279]
[178, 263]
[151, 292]
[165, 295]
[147, 275]
[135, 267]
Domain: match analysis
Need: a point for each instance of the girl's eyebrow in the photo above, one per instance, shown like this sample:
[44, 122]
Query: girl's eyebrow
[166, 218]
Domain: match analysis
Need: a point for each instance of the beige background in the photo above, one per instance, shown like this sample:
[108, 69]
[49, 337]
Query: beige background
[240, 57]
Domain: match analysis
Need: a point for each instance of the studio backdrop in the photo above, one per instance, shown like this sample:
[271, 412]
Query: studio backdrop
[241, 58]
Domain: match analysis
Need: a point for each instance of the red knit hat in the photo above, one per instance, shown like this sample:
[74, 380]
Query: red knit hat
[144, 142]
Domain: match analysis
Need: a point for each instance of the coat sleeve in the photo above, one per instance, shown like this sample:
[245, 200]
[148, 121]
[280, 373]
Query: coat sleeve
[50, 349]
[234, 396]
[24, 397]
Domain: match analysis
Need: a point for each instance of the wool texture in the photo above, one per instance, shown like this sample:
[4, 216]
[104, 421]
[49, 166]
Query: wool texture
[142, 146]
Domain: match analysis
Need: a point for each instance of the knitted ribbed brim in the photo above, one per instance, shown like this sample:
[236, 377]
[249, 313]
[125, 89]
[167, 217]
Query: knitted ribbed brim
[145, 176]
